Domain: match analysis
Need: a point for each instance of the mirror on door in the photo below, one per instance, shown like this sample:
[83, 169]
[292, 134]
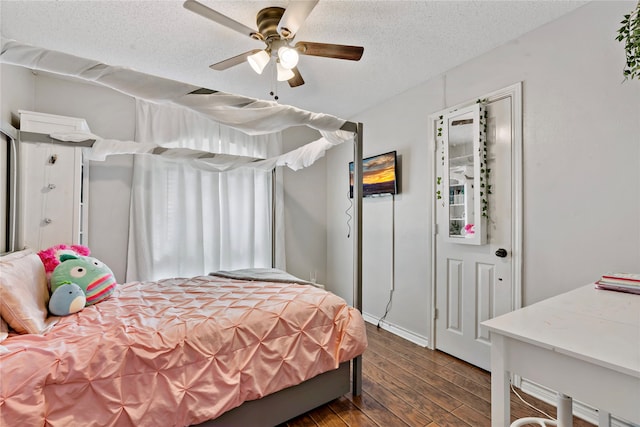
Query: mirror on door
[462, 175]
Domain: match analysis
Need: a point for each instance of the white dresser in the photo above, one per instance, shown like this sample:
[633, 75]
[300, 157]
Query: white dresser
[50, 183]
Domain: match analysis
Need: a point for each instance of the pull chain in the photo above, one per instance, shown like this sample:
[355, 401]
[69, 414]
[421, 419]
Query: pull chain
[274, 84]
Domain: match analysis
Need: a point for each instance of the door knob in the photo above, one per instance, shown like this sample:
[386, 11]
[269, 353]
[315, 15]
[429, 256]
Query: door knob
[501, 253]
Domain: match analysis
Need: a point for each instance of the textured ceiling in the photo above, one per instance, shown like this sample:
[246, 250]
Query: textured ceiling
[405, 42]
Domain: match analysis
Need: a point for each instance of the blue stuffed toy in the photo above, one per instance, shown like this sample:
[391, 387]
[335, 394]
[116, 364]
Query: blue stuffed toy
[79, 281]
[67, 299]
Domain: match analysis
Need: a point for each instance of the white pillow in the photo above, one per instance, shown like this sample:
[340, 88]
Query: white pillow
[24, 294]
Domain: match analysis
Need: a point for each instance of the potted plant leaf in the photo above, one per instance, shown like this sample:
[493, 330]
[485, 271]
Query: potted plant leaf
[629, 34]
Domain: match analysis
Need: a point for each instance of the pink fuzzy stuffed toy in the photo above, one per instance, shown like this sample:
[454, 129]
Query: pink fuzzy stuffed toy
[51, 257]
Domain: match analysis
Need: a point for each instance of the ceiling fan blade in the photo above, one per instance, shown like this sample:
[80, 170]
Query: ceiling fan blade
[218, 17]
[327, 50]
[297, 79]
[231, 62]
[294, 16]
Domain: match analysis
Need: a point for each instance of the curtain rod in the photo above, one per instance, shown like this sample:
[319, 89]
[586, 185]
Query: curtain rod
[350, 127]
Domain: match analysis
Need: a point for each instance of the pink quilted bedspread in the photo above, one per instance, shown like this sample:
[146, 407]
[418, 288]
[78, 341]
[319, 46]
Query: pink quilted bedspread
[174, 353]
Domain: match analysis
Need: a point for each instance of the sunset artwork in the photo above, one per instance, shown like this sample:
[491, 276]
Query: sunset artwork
[378, 175]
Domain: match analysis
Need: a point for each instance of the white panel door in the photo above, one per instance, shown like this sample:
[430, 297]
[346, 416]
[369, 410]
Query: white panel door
[474, 283]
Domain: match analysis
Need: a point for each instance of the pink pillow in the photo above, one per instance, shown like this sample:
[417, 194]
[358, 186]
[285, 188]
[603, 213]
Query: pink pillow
[4, 329]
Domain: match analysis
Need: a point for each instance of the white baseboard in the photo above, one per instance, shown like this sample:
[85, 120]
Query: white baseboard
[580, 409]
[397, 330]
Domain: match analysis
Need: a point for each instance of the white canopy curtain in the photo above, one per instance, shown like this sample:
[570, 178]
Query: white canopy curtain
[187, 221]
[252, 116]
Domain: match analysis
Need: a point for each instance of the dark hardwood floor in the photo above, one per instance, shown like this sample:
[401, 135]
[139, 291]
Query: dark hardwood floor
[407, 385]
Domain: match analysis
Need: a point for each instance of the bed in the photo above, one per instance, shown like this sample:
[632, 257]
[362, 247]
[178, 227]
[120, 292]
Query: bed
[149, 354]
[177, 352]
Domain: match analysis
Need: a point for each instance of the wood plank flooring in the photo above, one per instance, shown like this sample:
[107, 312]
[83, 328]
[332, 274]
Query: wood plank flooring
[407, 385]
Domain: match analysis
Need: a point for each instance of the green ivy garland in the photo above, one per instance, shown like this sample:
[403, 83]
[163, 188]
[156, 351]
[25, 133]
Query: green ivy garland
[629, 33]
[485, 186]
[441, 142]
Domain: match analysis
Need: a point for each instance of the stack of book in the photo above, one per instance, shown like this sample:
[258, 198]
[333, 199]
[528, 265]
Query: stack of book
[624, 282]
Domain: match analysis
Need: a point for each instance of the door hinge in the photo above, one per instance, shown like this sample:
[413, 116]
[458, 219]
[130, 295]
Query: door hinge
[435, 229]
[435, 314]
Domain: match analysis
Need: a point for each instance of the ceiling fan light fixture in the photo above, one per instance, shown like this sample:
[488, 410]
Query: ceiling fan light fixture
[259, 61]
[284, 74]
[276, 27]
[288, 57]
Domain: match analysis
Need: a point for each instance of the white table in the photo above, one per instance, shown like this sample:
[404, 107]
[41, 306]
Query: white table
[584, 344]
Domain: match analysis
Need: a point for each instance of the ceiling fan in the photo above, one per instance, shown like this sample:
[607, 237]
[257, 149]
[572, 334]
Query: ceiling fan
[276, 28]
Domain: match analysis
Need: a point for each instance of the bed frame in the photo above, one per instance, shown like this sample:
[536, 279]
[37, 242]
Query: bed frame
[286, 404]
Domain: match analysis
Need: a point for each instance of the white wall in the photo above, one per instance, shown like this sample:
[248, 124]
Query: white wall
[17, 94]
[305, 214]
[401, 125]
[581, 165]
